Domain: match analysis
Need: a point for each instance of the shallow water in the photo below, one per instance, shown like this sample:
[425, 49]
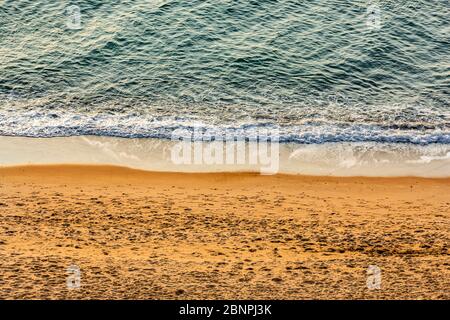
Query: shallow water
[321, 71]
[329, 159]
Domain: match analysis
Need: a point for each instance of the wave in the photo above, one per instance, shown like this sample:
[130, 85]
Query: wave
[309, 130]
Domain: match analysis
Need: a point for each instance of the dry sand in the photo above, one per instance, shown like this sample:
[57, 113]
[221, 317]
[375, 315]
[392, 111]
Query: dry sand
[147, 235]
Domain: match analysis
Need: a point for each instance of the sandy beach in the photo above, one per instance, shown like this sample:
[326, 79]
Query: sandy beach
[147, 235]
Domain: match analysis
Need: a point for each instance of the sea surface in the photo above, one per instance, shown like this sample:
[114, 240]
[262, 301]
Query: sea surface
[320, 70]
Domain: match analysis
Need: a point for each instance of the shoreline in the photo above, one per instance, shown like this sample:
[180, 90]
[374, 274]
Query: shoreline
[67, 169]
[153, 235]
[330, 159]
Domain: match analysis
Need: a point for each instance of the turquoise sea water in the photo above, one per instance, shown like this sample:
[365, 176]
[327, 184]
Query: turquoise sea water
[322, 71]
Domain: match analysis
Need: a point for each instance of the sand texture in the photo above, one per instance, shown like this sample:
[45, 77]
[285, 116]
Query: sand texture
[147, 235]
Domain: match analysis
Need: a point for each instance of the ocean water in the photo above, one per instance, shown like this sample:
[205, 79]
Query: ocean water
[322, 71]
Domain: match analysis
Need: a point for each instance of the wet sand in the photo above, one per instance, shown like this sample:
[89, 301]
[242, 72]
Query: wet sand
[148, 235]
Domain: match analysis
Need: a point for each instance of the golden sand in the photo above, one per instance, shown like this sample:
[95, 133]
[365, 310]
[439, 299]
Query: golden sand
[148, 235]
